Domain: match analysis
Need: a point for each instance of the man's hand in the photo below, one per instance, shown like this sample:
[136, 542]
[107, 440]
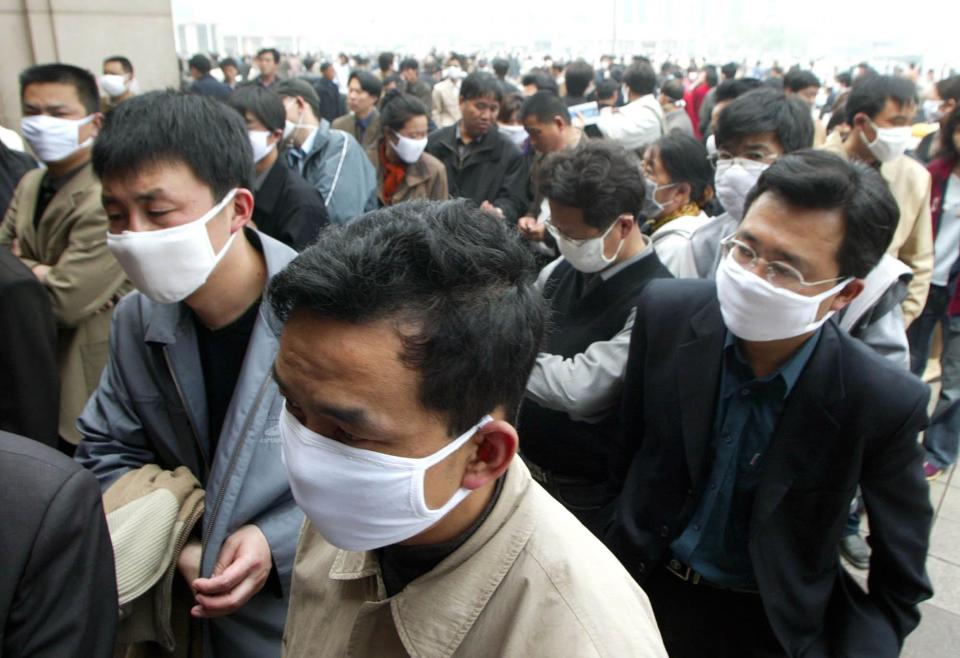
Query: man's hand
[41, 271]
[491, 209]
[531, 229]
[188, 563]
[241, 571]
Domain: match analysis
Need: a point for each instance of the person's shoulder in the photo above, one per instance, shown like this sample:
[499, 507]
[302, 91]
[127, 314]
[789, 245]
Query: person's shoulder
[889, 387]
[344, 122]
[432, 165]
[25, 460]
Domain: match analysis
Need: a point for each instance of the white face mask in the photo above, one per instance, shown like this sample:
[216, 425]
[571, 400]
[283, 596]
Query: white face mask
[360, 500]
[586, 256]
[408, 150]
[113, 85]
[170, 264]
[756, 310]
[258, 140]
[890, 143]
[651, 207]
[735, 177]
[54, 139]
[517, 134]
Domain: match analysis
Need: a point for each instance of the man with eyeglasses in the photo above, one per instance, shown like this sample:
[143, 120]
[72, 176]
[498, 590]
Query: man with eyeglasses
[748, 422]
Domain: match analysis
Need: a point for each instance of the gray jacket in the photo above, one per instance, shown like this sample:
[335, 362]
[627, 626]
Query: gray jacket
[150, 408]
[338, 167]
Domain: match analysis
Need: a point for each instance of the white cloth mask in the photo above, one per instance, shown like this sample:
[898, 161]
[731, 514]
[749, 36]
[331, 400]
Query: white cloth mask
[360, 500]
[170, 264]
[113, 85]
[890, 143]
[258, 140]
[754, 309]
[735, 177]
[407, 149]
[54, 139]
[586, 255]
[516, 134]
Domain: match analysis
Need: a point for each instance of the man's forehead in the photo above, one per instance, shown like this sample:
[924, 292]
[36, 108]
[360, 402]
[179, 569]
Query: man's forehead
[893, 108]
[170, 179]
[62, 93]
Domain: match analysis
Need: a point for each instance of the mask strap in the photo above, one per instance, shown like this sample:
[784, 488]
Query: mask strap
[455, 445]
[619, 246]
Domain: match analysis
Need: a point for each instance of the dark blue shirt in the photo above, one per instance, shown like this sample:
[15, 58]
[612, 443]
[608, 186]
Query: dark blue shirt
[715, 541]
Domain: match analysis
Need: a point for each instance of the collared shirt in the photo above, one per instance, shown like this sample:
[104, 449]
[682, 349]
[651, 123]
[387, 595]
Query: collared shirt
[362, 125]
[49, 186]
[715, 542]
[464, 149]
[297, 156]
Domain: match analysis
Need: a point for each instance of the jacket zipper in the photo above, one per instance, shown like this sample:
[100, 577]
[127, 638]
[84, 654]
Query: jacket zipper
[186, 409]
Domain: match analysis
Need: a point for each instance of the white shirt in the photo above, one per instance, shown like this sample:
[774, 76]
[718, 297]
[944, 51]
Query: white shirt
[946, 248]
[634, 125]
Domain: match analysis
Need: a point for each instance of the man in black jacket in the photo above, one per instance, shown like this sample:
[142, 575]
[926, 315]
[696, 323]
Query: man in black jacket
[204, 83]
[748, 420]
[286, 207]
[58, 590]
[482, 164]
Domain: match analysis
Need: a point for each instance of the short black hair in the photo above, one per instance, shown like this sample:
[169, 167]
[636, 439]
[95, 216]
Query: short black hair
[324, 66]
[869, 94]
[949, 88]
[602, 179]
[229, 61]
[500, 67]
[820, 180]
[545, 106]
[200, 62]
[170, 127]
[368, 82]
[385, 61]
[797, 80]
[81, 80]
[461, 278]
[948, 146]
[509, 107]
[606, 88]
[262, 103]
[398, 108]
[766, 110]
[711, 75]
[673, 89]
[730, 89]
[480, 85]
[540, 79]
[124, 63]
[641, 78]
[409, 63]
[271, 51]
[685, 161]
[844, 78]
[729, 70]
[578, 76]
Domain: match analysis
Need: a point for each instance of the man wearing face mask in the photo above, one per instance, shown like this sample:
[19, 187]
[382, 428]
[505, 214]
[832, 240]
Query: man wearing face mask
[188, 380]
[748, 424]
[596, 193]
[57, 227]
[408, 337]
[446, 93]
[286, 207]
[117, 81]
[880, 111]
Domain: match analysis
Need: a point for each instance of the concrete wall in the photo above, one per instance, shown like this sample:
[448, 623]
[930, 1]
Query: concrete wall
[84, 32]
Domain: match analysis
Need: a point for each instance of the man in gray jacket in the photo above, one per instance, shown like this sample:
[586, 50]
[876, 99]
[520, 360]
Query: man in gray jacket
[188, 378]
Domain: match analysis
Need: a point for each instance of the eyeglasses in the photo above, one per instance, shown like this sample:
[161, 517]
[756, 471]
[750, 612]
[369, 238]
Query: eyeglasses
[748, 158]
[777, 272]
[575, 242]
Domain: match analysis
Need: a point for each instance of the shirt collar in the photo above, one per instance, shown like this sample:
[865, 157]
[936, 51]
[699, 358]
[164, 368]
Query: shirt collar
[476, 140]
[789, 372]
[307, 145]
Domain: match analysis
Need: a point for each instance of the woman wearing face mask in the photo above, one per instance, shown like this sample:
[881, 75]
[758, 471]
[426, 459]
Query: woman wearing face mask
[679, 185]
[404, 171]
[508, 121]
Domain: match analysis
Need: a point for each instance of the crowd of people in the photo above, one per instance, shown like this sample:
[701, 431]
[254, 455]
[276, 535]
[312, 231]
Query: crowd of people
[446, 358]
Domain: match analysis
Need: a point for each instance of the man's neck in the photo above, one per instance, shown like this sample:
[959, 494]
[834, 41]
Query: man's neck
[571, 136]
[633, 96]
[633, 244]
[856, 148]
[363, 116]
[466, 137]
[236, 283]
[303, 133]
[769, 356]
[458, 520]
[267, 79]
[267, 162]
[122, 97]
[74, 162]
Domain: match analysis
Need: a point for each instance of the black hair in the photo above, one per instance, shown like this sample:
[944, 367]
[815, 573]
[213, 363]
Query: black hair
[948, 147]
[324, 66]
[578, 76]
[819, 180]
[169, 127]
[229, 61]
[200, 62]
[729, 70]
[641, 78]
[272, 51]
[409, 63]
[765, 110]
[869, 94]
[500, 67]
[368, 82]
[949, 88]
[81, 80]
[510, 105]
[385, 61]
[540, 79]
[600, 178]
[607, 88]
[673, 89]
[299, 88]
[685, 160]
[458, 285]
[711, 75]
[124, 63]
[730, 89]
[838, 114]
[797, 80]
[262, 103]
[844, 78]
[545, 106]
[480, 85]
[398, 108]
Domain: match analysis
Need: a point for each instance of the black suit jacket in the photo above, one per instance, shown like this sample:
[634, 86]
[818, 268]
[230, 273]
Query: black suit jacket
[58, 591]
[288, 208]
[210, 86]
[851, 419]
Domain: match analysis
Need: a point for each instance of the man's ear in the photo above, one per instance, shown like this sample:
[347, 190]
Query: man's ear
[496, 443]
[626, 222]
[242, 209]
[847, 295]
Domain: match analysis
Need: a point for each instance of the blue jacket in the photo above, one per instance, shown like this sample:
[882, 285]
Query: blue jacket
[341, 171]
[150, 408]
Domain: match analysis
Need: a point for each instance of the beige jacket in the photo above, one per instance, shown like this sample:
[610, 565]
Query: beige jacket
[446, 103]
[531, 581]
[912, 242]
[72, 238]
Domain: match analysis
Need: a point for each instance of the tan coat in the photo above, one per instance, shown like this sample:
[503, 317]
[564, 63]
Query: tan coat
[531, 581]
[84, 277]
[348, 124]
[912, 242]
[426, 179]
[446, 103]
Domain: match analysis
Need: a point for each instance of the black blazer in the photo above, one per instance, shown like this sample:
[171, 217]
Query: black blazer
[58, 591]
[851, 419]
[288, 208]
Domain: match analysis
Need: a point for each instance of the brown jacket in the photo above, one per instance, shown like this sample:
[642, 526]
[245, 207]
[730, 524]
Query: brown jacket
[71, 238]
[531, 581]
[348, 124]
[426, 179]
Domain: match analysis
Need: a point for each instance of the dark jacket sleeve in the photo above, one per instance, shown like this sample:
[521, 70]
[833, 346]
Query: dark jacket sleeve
[66, 602]
[301, 221]
[512, 196]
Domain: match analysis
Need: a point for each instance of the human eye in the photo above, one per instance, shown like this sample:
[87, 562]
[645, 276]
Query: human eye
[783, 274]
